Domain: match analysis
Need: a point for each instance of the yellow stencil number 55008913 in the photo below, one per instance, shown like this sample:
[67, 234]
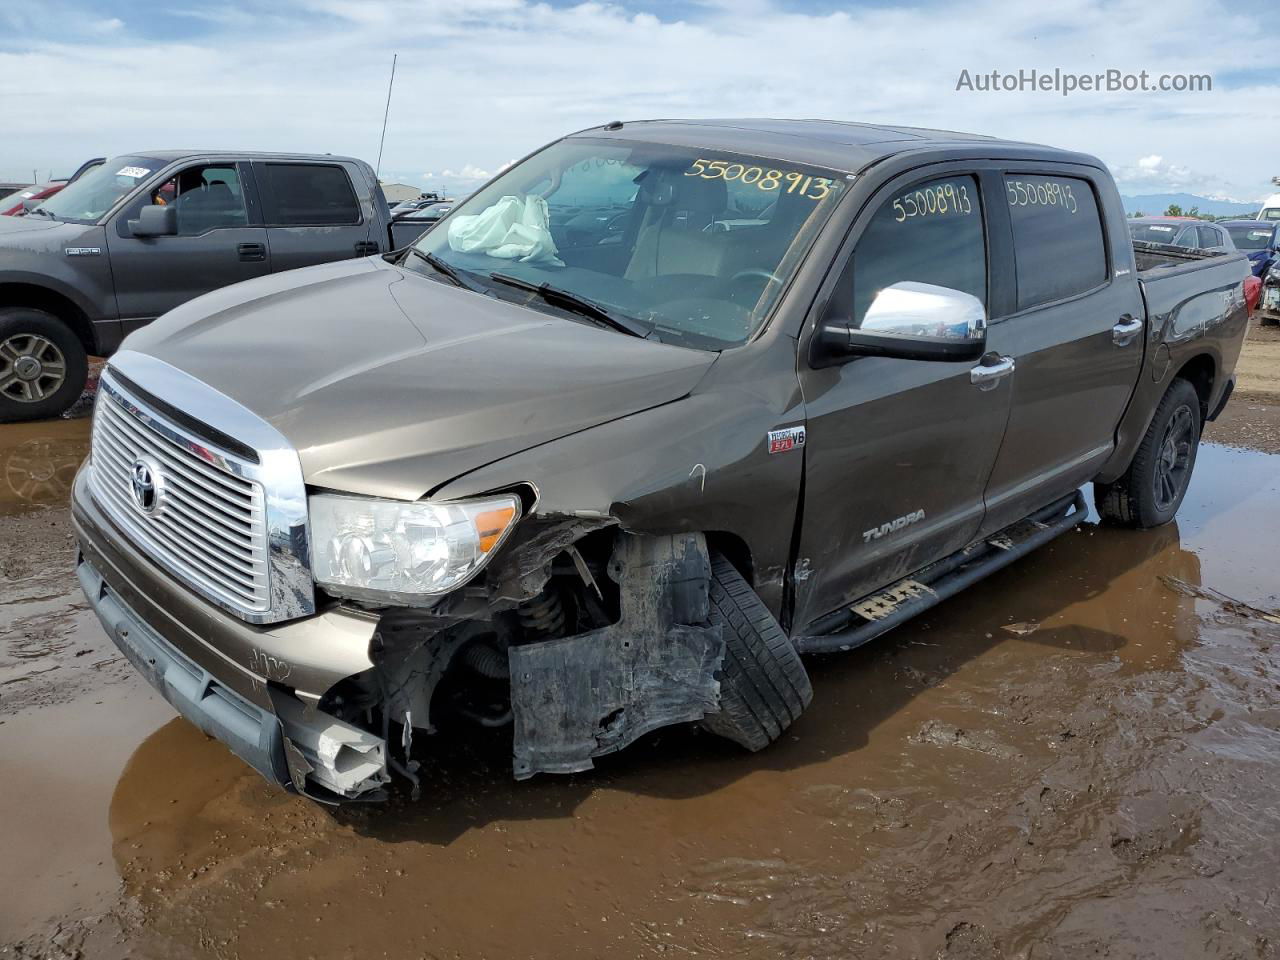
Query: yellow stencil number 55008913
[789, 181]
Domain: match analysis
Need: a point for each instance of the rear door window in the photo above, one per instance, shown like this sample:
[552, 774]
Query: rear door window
[308, 195]
[931, 233]
[1057, 238]
[1209, 237]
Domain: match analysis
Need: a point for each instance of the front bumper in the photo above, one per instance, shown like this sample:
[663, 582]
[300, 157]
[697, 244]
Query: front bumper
[255, 689]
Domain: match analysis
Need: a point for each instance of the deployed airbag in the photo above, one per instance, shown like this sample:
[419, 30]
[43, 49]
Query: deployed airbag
[511, 229]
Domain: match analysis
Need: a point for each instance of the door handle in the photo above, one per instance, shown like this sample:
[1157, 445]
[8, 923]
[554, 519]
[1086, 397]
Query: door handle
[366, 248]
[988, 374]
[1124, 331]
[252, 251]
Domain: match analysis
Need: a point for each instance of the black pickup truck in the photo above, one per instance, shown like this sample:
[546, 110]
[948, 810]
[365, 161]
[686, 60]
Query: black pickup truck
[140, 235]
[663, 407]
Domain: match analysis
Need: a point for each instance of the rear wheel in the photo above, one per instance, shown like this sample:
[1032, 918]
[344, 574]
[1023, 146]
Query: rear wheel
[764, 686]
[43, 365]
[1151, 490]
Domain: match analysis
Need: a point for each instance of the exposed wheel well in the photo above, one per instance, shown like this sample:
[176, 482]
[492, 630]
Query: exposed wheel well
[1199, 372]
[42, 298]
[734, 549]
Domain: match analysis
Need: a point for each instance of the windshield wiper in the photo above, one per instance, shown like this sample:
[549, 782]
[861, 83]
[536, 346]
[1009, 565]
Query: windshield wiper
[571, 301]
[40, 210]
[450, 272]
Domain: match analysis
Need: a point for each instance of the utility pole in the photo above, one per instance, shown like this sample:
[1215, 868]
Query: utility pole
[386, 113]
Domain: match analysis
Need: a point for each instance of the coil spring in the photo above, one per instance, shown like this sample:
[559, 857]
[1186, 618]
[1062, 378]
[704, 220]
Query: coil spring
[486, 660]
[543, 615]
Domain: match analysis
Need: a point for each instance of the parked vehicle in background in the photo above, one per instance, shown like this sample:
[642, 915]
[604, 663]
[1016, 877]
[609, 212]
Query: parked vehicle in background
[1257, 239]
[416, 221]
[417, 203]
[587, 478]
[1270, 208]
[1181, 232]
[33, 195]
[142, 234]
[1269, 306]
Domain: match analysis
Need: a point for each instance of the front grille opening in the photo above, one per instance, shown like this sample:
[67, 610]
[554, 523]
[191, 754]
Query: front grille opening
[208, 526]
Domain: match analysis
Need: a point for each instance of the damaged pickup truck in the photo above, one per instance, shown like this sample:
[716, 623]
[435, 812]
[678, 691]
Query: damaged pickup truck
[659, 409]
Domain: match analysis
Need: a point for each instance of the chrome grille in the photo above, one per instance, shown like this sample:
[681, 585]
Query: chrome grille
[209, 524]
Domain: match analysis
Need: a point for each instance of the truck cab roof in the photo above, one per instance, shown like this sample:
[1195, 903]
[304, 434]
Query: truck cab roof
[173, 155]
[835, 144]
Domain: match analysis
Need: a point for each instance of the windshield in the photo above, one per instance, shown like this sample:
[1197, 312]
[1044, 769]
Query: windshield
[1248, 237]
[1154, 232]
[1270, 213]
[88, 198]
[694, 244]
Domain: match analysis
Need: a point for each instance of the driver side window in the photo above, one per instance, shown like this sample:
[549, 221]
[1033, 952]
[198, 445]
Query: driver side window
[206, 198]
[931, 233]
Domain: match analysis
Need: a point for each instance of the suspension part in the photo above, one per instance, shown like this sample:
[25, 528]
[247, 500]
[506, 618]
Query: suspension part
[543, 615]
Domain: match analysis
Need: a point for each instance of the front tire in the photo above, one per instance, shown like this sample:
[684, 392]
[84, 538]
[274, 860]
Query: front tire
[764, 686]
[43, 365]
[1150, 492]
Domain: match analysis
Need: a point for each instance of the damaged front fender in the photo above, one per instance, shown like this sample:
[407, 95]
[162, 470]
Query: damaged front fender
[580, 697]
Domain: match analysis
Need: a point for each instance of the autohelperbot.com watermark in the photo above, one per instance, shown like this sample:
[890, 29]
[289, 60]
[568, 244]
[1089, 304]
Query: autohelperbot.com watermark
[1065, 82]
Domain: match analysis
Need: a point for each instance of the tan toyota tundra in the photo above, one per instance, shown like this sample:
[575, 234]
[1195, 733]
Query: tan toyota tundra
[658, 410]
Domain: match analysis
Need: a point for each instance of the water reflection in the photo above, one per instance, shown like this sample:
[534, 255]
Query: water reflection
[38, 462]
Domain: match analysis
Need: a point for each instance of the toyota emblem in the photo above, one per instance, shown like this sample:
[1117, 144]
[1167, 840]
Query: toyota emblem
[148, 485]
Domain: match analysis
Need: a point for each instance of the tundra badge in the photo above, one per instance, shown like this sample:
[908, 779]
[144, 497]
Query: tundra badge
[893, 526]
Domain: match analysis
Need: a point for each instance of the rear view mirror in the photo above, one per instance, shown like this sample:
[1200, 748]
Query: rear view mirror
[155, 221]
[909, 321]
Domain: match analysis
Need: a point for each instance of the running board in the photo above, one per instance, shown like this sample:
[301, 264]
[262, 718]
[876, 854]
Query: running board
[871, 616]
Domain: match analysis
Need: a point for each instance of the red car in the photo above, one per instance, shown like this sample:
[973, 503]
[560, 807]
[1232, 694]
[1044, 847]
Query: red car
[43, 191]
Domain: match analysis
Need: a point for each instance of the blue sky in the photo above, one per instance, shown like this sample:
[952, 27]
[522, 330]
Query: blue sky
[481, 82]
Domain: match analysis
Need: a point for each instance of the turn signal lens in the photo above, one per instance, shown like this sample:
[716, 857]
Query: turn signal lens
[492, 524]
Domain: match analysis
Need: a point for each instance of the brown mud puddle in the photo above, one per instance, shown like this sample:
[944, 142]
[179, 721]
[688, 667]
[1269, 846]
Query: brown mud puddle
[1079, 757]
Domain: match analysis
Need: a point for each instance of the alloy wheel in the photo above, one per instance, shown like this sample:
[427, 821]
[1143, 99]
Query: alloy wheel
[1173, 463]
[32, 368]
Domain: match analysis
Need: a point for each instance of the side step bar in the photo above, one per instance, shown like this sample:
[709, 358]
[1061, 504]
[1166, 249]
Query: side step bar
[865, 620]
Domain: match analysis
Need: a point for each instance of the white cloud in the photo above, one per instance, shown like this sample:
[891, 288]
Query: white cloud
[480, 81]
[1155, 172]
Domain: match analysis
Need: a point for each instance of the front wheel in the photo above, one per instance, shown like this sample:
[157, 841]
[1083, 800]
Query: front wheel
[763, 687]
[1151, 490]
[43, 365]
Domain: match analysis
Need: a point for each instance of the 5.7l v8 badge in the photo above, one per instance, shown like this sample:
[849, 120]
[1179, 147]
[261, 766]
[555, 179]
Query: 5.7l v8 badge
[788, 438]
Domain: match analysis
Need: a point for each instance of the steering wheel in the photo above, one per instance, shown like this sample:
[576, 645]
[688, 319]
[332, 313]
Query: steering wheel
[768, 276]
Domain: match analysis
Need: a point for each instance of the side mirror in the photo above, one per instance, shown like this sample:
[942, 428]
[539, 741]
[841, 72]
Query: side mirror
[30, 204]
[908, 321]
[155, 221]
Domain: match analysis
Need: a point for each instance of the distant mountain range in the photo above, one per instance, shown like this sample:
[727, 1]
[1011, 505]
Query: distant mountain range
[1155, 204]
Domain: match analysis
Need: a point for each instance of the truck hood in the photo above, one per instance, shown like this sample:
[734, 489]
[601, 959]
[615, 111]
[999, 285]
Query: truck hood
[388, 383]
[21, 231]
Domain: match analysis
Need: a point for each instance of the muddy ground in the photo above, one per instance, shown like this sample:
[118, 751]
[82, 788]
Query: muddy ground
[1078, 758]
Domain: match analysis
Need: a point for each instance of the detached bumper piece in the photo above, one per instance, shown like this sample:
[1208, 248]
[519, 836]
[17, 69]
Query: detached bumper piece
[298, 748]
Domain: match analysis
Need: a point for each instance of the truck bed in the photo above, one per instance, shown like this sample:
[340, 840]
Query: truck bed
[1156, 256]
[1172, 277]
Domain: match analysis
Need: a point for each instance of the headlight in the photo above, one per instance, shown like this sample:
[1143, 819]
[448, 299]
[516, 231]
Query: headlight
[396, 552]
